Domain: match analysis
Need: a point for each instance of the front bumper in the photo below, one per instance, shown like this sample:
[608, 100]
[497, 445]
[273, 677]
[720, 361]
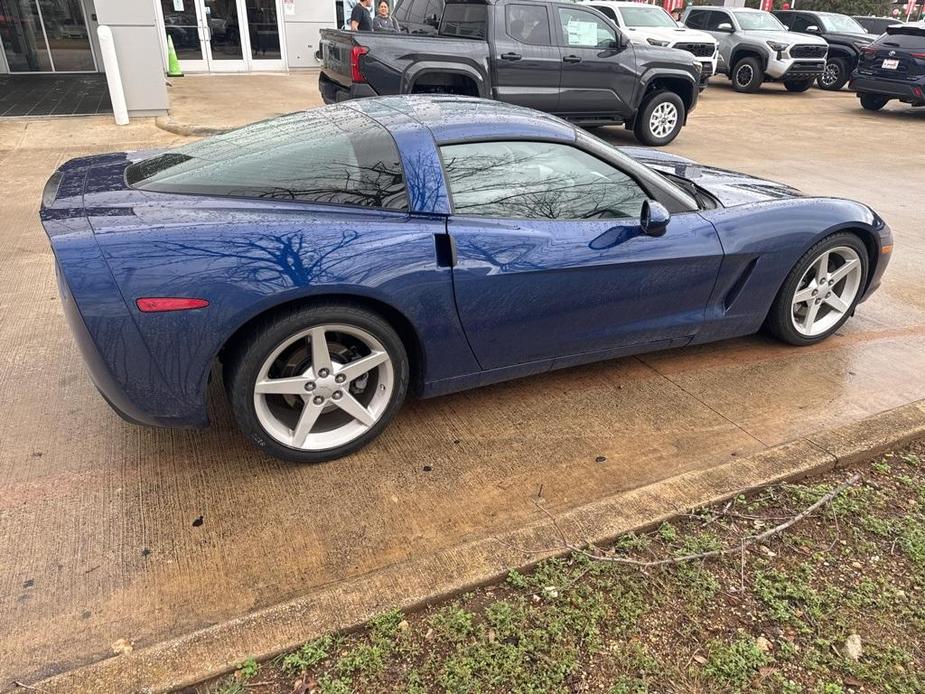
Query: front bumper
[333, 92]
[795, 68]
[909, 92]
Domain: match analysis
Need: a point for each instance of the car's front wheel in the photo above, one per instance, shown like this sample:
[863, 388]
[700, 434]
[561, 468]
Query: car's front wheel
[821, 291]
[660, 118]
[799, 85]
[317, 383]
[835, 75]
[873, 102]
[747, 75]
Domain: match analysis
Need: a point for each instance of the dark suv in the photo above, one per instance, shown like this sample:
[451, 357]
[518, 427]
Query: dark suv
[892, 67]
[846, 39]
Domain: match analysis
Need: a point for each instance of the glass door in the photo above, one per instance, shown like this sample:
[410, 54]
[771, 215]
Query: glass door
[45, 36]
[263, 35]
[206, 34]
[181, 21]
[223, 38]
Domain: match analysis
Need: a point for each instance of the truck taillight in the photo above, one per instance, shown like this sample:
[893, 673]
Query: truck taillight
[356, 72]
[869, 52]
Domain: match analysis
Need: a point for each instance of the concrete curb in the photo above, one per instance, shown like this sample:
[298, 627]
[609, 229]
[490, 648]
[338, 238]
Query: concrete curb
[348, 604]
[170, 125]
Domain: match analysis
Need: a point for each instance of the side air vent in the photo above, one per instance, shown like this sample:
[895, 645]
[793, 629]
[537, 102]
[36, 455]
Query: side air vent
[738, 285]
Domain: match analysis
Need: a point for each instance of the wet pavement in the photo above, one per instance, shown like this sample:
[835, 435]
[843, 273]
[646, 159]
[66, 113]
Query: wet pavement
[110, 531]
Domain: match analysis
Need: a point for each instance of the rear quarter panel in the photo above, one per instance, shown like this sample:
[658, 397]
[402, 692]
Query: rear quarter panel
[247, 257]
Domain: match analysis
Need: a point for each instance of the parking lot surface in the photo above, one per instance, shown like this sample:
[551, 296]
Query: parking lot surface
[113, 532]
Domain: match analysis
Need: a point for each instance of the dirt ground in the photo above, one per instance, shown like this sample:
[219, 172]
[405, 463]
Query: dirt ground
[98, 545]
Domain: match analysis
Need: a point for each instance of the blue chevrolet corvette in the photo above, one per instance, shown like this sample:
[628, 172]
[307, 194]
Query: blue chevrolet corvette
[333, 260]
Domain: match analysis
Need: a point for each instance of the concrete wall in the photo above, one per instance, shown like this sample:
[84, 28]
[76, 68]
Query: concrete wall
[138, 47]
[302, 28]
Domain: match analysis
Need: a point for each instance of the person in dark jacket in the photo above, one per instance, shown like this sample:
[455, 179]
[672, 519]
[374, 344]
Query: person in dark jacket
[360, 19]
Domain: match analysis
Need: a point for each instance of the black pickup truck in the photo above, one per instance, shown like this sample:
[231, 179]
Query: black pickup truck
[556, 57]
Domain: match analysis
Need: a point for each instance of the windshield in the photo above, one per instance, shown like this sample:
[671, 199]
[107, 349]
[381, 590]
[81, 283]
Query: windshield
[839, 22]
[759, 21]
[646, 17]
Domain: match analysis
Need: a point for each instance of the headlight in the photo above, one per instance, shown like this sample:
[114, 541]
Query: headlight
[657, 42]
[777, 46]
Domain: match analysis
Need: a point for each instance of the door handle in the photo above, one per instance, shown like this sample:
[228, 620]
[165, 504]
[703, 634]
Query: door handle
[571, 59]
[511, 56]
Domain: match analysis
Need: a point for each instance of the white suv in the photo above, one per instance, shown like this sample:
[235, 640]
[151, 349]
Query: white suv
[754, 46]
[650, 25]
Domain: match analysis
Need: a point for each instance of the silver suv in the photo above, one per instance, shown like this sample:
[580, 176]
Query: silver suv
[755, 46]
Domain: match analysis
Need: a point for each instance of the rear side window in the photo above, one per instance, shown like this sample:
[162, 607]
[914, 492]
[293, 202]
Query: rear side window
[317, 156]
[466, 21]
[528, 24]
[537, 180]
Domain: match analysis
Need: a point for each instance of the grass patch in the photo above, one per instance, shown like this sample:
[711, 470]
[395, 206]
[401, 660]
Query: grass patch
[776, 620]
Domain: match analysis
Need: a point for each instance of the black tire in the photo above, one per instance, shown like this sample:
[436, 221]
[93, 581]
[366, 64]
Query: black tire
[799, 85]
[747, 75]
[643, 128]
[779, 322]
[244, 364]
[835, 76]
[873, 102]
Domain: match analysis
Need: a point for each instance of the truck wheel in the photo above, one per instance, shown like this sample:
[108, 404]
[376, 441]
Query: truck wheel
[747, 75]
[660, 118]
[873, 102]
[835, 75]
[799, 85]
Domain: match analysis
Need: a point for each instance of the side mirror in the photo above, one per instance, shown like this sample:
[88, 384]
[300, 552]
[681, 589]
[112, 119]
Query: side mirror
[813, 29]
[654, 218]
[725, 26]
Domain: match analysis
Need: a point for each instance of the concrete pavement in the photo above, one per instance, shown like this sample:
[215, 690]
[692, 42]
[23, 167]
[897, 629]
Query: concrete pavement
[99, 539]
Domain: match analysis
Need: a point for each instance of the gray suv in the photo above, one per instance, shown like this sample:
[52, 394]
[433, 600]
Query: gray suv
[754, 46]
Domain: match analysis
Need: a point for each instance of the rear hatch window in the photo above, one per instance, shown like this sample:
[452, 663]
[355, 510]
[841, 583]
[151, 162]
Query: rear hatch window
[324, 156]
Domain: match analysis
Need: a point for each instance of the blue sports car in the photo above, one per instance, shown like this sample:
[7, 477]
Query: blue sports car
[333, 260]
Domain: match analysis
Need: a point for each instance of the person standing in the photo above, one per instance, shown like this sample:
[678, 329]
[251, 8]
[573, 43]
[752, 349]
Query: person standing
[383, 21]
[360, 18]
[348, 10]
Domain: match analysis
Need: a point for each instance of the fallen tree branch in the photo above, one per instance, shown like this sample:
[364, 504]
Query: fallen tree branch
[740, 547]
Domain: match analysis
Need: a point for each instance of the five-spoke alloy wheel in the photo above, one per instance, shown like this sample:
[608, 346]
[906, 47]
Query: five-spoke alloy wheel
[318, 383]
[821, 291]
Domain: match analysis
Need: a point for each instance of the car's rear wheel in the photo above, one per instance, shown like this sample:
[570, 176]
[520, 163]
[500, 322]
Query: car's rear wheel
[821, 291]
[835, 75]
[799, 85]
[660, 118]
[317, 383]
[873, 102]
[747, 75]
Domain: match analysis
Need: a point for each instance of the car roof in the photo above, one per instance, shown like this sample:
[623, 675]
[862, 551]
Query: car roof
[619, 3]
[451, 118]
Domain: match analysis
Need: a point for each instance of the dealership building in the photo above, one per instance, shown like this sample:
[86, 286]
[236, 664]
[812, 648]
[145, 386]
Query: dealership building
[59, 37]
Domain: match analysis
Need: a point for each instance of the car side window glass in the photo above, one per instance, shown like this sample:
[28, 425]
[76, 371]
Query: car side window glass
[528, 24]
[582, 29]
[785, 18]
[714, 19]
[801, 22]
[537, 180]
[607, 12]
[319, 156]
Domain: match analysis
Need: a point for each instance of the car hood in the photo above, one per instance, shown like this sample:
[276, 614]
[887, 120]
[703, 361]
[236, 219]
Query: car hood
[729, 187]
[670, 34]
[788, 37]
[845, 37]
